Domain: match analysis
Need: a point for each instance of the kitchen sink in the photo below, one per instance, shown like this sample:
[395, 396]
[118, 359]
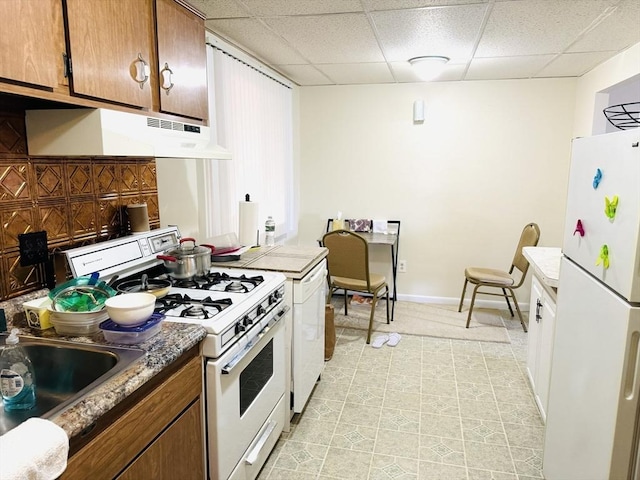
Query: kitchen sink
[65, 373]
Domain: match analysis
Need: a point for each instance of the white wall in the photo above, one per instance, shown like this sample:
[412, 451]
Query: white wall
[619, 70]
[179, 195]
[490, 157]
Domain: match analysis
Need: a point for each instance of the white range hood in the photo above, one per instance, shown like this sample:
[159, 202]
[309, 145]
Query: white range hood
[104, 132]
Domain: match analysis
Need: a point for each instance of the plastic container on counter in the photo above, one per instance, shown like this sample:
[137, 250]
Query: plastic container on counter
[77, 323]
[115, 333]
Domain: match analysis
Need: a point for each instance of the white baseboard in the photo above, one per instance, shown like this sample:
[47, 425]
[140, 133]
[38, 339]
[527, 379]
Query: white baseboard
[496, 304]
[481, 303]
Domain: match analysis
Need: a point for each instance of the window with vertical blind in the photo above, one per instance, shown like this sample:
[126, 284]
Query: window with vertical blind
[253, 119]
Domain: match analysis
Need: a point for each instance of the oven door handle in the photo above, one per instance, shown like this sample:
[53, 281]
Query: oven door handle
[255, 451]
[227, 369]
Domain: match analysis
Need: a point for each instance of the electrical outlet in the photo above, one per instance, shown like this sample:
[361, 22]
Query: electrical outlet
[402, 266]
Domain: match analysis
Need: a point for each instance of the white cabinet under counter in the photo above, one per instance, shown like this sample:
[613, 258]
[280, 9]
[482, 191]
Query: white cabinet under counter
[545, 262]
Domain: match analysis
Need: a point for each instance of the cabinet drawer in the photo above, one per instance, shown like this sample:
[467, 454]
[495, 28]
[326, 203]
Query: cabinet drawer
[113, 449]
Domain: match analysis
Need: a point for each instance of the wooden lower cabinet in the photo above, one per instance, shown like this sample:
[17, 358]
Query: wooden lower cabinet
[175, 454]
[160, 435]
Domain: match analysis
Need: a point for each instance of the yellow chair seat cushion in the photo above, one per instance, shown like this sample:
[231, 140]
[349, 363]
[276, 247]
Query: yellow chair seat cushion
[375, 280]
[488, 275]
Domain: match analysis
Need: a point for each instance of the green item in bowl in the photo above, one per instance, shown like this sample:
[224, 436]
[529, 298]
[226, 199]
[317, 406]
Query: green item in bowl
[82, 294]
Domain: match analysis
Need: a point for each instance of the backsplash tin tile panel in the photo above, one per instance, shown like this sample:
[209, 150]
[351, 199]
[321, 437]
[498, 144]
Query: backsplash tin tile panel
[14, 184]
[12, 133]
[15, 221]
[78, 201]
[105, 177]
[50, 179]
[80, 178]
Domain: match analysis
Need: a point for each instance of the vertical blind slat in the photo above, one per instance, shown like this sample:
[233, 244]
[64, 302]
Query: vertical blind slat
[254, 121]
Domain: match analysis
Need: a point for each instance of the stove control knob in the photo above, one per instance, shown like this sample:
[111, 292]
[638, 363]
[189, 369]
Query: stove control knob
[246, 321]
[240, 328]
[260, 310]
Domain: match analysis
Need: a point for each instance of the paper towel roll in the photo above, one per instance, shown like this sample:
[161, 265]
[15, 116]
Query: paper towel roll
[249, 230]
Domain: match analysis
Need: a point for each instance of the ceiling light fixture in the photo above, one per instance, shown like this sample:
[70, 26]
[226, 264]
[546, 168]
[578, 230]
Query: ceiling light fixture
[428, 67]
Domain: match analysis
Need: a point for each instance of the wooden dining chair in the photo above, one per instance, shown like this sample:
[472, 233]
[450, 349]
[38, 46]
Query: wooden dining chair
[348, 265]
[501, 279]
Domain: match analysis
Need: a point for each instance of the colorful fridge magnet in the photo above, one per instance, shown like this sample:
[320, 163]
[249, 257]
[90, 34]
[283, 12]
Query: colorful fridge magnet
[579, 228]
[610, 207]
[597, 178]
[603, 258]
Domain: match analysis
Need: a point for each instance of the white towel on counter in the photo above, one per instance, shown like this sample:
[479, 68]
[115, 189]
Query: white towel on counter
[37, 449]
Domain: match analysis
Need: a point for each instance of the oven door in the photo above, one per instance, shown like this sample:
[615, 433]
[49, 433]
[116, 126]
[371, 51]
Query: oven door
[243, 387]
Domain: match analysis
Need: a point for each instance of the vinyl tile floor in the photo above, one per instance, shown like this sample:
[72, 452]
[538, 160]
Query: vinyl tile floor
[429, 409]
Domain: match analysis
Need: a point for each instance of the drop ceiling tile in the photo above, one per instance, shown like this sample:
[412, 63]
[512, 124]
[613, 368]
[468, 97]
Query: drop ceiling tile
[395, 5]
[617, 31]
[301, 7]
[251, 35]
[340, 38]
[220, 8]
[357, 73]
[506, 67]
[303, 74]
[404, 73]
[573, 64]
[532, 27]
[449, 31]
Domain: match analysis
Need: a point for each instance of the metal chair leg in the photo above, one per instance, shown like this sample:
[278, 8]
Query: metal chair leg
[515, 301]
[464, 289]
[473, 301]
[373, 309]
[506, 297]
[346, 300]
[387, 305]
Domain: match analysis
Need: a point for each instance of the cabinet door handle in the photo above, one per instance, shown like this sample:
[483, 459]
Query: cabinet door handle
[166, 73]
[141, 70]
[538, 308]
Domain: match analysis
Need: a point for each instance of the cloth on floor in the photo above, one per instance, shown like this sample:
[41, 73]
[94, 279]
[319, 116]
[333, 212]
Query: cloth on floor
[37, 449]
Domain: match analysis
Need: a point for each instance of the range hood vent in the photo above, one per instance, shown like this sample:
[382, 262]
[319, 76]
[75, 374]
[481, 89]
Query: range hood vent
[104, 132]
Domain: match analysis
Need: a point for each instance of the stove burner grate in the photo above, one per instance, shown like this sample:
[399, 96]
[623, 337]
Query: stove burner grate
[191, 308]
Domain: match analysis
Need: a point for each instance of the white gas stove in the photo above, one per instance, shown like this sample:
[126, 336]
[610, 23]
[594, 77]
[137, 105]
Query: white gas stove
[227, 315]
[228, 303]
[244, 350]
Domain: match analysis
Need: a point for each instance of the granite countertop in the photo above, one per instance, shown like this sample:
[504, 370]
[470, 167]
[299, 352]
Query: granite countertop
[293, 261]
[160, 350]
[545, 262]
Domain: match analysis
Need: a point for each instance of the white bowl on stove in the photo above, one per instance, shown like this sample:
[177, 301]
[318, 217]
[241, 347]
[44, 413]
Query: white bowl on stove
[130, 309]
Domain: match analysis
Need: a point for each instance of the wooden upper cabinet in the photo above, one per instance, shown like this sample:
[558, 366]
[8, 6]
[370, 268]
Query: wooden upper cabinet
[111, 50]
[182, 61]
[32, 42]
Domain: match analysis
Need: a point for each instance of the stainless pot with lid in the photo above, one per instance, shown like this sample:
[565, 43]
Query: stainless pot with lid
[187, 261]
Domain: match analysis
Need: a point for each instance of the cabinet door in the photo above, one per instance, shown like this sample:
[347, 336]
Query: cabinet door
[110, 41]
[177, 453]
[182, 61]
[32, 42]
[535, 312]
[545, 353]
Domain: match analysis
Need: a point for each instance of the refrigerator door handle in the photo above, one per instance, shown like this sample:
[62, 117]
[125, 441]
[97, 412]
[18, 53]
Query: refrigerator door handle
[632, 370]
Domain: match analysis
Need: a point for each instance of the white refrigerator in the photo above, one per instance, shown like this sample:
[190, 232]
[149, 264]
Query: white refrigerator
[592, 422]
